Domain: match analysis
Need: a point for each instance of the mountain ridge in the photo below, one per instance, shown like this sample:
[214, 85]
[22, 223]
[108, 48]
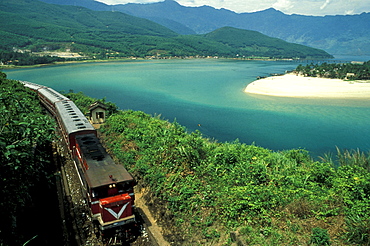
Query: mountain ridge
[39, 26]
[336, 34]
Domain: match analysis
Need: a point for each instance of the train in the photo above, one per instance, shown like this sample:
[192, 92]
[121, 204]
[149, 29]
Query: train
[108, 186]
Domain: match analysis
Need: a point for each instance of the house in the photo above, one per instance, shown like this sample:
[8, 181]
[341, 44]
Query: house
[98, 113]
[350, 75]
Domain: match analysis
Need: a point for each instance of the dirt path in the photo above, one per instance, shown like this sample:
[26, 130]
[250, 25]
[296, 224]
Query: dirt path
[154, 228]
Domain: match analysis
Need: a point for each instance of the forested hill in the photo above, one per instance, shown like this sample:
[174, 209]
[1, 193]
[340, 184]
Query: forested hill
[37, 26]
[339, 34]
[258, 44]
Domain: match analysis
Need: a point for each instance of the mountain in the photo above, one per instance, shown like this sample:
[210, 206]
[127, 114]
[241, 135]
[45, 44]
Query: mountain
[90, 4]
[255, 43]
[159, 18]
[341, 34]
[39, 26]
[47, 21]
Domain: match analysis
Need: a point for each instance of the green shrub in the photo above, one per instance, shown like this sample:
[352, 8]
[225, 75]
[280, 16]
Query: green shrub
[244, 186]
[320, 236]
[358, 229]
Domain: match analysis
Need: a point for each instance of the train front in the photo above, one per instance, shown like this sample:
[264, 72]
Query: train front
[110, 188]
[112, 205]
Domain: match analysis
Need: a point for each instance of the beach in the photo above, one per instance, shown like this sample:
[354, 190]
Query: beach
[291, 85]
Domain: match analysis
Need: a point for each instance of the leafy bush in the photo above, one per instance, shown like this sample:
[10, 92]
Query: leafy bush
[320, 236]
[83, 102]
[25, 135]
[213, 187]
[358, 229]
[340, 71]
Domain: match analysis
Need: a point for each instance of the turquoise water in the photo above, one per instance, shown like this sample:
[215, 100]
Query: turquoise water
[210, 93]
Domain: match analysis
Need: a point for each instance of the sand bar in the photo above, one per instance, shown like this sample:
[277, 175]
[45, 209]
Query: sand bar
[291, 85]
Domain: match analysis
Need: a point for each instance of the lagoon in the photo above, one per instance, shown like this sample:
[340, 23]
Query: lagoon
[208, 95]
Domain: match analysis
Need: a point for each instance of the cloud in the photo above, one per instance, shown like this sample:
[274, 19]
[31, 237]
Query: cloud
[304, 7]
[325, 4]
[113, 2]
[283, 5]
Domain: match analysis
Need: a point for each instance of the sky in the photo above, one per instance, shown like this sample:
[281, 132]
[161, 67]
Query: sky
[303, 7]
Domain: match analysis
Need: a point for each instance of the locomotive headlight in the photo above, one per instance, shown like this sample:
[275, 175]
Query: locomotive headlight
[114, 185]
[110, 186]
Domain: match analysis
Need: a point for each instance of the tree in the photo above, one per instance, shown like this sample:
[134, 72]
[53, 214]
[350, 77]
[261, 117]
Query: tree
[25, 134]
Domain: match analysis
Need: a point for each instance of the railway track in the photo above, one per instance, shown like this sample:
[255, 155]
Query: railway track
[78, 227]
[89, 183]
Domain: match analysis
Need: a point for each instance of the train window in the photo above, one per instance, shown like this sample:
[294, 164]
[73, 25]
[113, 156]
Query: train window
[93, 193]
[111, 190]
[81, 127]
[77, 120]
[74, 117]
[72, 114]
[79, 124]
[101, 192]
[123, 187]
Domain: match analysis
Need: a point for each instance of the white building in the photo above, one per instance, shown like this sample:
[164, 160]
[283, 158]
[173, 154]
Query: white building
[98, 113]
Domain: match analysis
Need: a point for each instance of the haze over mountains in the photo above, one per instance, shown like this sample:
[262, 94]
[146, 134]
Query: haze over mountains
[341, 34]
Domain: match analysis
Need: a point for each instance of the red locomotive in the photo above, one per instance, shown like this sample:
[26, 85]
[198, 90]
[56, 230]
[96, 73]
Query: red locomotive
[108, 186]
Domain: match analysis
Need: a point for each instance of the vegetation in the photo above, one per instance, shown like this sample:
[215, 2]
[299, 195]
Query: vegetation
[26, 58]
[208, 188]
[83, 102]
[336, 70]
[339, 34]
[204, 189]
[34, 26]
[25, 137]
[252, 43]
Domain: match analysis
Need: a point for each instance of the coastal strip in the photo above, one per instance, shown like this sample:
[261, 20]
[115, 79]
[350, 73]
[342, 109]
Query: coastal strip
[291, 85]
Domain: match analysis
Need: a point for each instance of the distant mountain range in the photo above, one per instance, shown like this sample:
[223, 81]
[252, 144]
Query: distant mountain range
[341, 34]
[38, 26]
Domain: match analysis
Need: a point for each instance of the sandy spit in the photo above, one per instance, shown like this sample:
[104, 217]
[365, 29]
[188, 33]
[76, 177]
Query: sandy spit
[291, 85]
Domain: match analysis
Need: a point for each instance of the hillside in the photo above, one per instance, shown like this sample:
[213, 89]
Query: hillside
[38, 27]
[341, 34]
[26, 168]
[268, 198]
[253, 43]
[265, 197]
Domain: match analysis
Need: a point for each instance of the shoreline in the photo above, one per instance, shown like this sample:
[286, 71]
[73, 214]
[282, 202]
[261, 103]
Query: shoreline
[291, 85]
[4, 67]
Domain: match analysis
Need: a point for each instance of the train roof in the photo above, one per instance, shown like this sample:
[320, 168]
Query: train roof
[102, 170]
[72, 117]
[32, 86]
[52, 95]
